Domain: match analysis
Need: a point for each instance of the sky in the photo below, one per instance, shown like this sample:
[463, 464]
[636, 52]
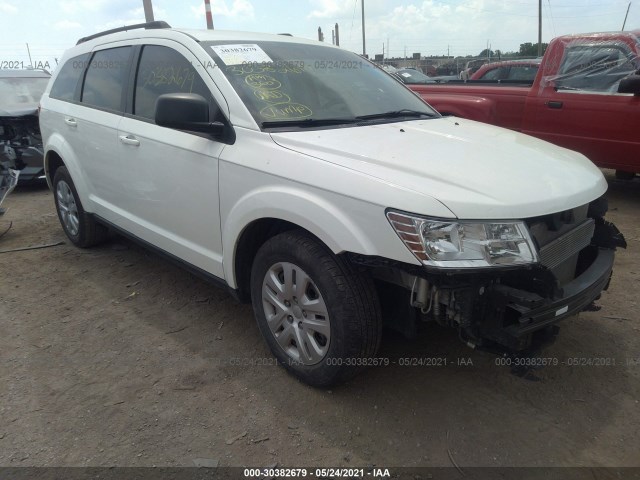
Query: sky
[400, 27]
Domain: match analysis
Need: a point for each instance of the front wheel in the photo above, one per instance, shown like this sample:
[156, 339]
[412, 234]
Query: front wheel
[319, 316]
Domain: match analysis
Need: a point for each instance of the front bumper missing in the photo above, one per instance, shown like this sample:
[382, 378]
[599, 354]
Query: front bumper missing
[517, 314]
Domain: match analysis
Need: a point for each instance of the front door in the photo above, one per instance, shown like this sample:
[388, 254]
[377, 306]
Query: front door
[170, 197]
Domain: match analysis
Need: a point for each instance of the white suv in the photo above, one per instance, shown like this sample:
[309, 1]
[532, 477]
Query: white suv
[312, 183]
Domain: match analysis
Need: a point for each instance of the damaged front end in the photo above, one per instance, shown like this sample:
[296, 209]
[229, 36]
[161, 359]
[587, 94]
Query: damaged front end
[20, 139]
[543, 269]
[21, 145]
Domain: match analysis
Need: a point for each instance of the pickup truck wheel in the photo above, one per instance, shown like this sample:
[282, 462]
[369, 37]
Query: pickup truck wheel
[622, 175]
[79, 226]
[319, 316]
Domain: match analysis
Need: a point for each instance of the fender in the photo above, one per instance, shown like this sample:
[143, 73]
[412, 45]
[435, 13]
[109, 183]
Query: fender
[326, 217]
[471, 107]
[56, 143]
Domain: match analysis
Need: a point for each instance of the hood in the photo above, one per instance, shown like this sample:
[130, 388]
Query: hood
[19, 110]
[478, 171]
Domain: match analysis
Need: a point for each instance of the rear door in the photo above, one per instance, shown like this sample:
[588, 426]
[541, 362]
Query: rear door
[169, 177]
[92, 125]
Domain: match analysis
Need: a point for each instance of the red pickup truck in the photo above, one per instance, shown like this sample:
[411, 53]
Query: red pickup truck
[585, 97]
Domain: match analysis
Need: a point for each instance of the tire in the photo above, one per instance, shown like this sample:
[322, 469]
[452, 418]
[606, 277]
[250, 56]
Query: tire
[325, 323]
[80, 227]
[622, 175]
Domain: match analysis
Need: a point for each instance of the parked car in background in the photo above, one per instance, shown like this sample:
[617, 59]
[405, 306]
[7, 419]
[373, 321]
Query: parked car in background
[20, 139]
[471, 67]
[585, 97]
[523, 70]
[411, 76]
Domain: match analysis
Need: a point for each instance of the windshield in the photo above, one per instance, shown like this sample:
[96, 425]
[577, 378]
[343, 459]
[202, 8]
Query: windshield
[291, 84]
[21, 92]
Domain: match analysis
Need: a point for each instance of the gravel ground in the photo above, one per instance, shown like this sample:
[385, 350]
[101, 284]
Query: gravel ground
[113, 356]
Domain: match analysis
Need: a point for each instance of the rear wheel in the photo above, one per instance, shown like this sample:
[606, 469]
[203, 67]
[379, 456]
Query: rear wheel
[80, 227]
[319, 316]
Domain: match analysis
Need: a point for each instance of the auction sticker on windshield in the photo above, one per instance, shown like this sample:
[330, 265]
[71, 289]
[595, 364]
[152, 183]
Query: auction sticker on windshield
[241, 53]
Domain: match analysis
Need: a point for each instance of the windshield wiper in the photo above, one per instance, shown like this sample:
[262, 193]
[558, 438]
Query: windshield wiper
[396, 114]
[308, 122]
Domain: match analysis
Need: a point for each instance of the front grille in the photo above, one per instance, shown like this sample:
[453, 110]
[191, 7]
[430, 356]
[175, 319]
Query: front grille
[567, 245]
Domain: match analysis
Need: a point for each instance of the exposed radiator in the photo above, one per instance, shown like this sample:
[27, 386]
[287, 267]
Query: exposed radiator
[560, 249]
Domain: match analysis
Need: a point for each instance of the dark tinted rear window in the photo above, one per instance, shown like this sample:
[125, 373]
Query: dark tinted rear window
[106, 77]
[66, 82]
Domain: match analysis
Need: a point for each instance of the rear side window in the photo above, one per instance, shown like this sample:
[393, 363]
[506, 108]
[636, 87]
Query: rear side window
[64, 87]
[163, 70]
[499, 73]
[527, 72]
[106, 77]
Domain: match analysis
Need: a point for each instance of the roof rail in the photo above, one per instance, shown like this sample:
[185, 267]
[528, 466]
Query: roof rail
[146, 26]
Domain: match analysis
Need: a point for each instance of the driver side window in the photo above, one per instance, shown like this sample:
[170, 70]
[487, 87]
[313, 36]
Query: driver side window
[596, 68]
[162, 70]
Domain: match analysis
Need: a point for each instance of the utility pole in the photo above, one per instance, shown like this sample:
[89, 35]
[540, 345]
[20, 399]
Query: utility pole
[29, 52]
[148, 10]
[337, 35]
[364, 45]
[207, 12]
[625, 17]
[539, 28]
[320, 35]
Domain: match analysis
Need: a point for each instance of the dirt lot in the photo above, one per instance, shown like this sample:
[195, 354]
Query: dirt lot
[113, 356]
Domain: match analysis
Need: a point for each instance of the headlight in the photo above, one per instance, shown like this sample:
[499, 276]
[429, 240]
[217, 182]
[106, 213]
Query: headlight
[464, 244]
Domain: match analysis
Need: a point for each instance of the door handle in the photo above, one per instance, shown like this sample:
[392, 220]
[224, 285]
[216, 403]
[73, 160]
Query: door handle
[554, 104]
[130, 140]
[71, 122]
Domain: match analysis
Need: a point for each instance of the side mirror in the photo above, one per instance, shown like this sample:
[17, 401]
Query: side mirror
[630, 84]
[186, 111]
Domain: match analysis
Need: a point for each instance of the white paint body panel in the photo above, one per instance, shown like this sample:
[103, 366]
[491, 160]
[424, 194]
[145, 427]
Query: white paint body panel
[193, 197]
[478, 171]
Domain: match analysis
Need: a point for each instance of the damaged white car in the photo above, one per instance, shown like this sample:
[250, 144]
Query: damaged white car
[20, 140]
[316, 186]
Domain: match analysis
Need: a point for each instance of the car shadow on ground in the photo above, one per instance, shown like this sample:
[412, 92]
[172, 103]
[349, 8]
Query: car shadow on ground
[433, 389]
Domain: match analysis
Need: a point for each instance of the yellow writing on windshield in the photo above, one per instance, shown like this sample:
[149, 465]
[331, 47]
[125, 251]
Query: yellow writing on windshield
[295, 67]
[259, 81]
[286, 111]
[272, 96]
